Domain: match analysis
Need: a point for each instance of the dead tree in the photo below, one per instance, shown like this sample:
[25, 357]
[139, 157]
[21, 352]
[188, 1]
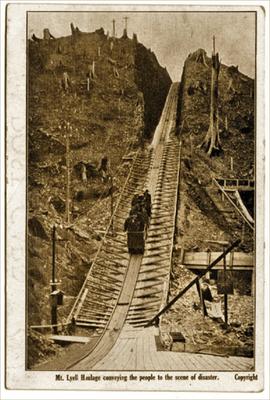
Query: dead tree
[36, 39]
[47, 34]
[211, 142]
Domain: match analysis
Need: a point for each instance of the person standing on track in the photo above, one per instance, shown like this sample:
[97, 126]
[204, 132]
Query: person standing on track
[147, 201]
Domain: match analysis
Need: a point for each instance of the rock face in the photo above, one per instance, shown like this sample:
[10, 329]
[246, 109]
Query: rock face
[106, 95]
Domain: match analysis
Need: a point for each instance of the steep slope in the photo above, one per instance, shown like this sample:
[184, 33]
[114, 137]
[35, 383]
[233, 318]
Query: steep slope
[107, 117]
[198, 212]
[202, 226]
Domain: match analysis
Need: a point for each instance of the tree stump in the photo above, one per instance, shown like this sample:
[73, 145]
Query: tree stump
[211, 142]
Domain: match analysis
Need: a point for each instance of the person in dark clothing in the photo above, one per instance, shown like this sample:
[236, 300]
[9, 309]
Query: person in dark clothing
[144, 215]
[147, 200]
[140, 221]
[130, 223]
[134, 199]
[135, 209]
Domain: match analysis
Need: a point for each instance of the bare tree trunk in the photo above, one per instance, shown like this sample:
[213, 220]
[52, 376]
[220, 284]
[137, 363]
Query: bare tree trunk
[211, 142]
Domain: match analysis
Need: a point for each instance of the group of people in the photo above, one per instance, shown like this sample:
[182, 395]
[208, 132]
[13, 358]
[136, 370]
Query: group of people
[140, 213]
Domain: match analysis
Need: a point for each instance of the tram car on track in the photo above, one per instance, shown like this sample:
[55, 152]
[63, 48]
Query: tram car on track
[137, 223]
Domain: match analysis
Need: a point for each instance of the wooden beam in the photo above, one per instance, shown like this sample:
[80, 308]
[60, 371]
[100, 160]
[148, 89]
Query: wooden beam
[69, 339]
[201, 274]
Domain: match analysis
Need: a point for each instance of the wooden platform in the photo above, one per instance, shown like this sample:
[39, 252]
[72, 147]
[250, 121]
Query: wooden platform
[230, 184]
[135, 350]
[238, 261]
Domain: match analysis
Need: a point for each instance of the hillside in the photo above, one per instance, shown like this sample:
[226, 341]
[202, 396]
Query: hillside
[107, 95]
[201, 225]
[198, 213]
[109, 116]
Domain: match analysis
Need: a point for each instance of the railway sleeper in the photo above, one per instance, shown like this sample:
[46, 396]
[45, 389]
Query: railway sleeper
[104, 265]
[167, 182]
[99, 317]
[89, 324]
[117, 261]
[153, 261]
[138, 324]
[93, 318]
[141, 302]
[109, 267]
[164, 194]
[97, 295]
[151, 248]
[102, 285]
[145, 286]
[102, 289]
[103, 314]
[165, 199]
[91, 301]
[116, 250]
[155, 242]
[154, 252]
[143, 294]
[142, 319]
[98, 281]
[120, 280]
[157, 270]
[161, 219]
[156, 235]
[135, 309]
[151, 277]
[106, 281]
[100, 306]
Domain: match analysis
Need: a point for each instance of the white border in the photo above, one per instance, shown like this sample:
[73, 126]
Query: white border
[18, 190]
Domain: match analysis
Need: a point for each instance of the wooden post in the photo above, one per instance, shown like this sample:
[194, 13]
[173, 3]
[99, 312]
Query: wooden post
[211, 140]
[226, 123]
[119, 107]
[243, 232]
[112, 205]
[99, 51]
[208, 263]
[191, 144]
[225, 295]
[253, 282]
[67, 177]
[231, 163]
[113, 34]
[53, 285]
[199, 289]
[88, 84]
[126, 18]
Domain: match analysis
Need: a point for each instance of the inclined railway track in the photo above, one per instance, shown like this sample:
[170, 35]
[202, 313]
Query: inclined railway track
[120, 288]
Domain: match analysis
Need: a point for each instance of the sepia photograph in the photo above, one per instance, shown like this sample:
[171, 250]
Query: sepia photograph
[140, 226]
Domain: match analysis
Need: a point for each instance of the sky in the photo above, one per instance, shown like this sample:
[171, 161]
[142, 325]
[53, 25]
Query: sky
[170, 35]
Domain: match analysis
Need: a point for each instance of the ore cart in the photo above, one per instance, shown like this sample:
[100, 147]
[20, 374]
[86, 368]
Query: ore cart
[135, 242]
